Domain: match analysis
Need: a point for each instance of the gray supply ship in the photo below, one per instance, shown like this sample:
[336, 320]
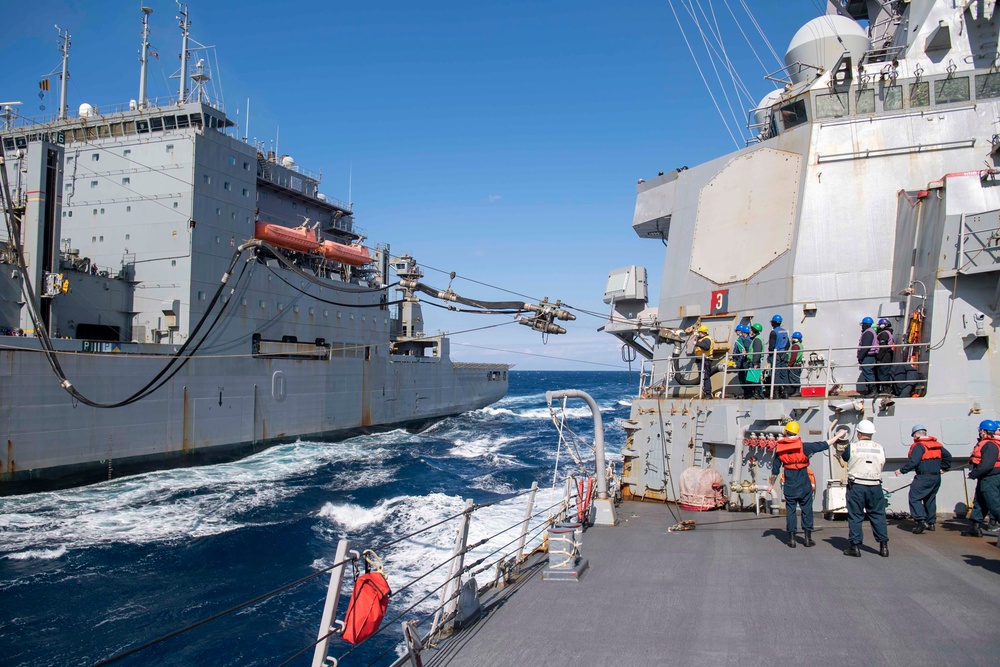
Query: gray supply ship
[172, 294]
[870, 189]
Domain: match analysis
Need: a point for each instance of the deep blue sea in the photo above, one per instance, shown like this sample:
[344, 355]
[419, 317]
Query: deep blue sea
[90, 572]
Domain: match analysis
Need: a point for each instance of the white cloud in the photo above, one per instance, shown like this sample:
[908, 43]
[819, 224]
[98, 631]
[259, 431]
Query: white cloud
[493, 199]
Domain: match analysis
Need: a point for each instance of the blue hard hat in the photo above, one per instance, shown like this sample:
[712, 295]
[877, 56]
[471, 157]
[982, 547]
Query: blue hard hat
[797, 335]
[917, 427]
[742, 328]
[776, 319]
[869, 321]
[883, 322]
[988, 425]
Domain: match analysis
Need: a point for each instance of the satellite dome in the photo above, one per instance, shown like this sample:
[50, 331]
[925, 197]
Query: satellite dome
[822, 41]
[760, 113]
[86, 110]
[287, 161]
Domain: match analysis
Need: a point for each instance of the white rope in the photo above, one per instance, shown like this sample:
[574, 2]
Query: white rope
[747, 39]
[713, 55]
[760, 31]
[702, 74]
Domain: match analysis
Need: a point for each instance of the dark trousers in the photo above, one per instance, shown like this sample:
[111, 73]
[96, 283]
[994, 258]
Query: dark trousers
[862, 499]
[923, 497]
[781, 380]
[987, 498]
[866, 380]
[794, 380]
[805, 503]
[706, 378]
[883, 376]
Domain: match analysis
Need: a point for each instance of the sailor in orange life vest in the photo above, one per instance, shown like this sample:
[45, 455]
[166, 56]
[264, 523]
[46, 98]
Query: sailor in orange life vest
[797, 485]
[865, 459]
[929, 458]
[985, 462]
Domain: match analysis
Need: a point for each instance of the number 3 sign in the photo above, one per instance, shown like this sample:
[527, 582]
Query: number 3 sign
[720, 302]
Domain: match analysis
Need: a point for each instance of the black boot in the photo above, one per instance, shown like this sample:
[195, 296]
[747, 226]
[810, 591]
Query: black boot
[930, 527]
[974, 531]
[883, 549]
[921, 527]
[809, 539]
[853, 550]
[791, 540]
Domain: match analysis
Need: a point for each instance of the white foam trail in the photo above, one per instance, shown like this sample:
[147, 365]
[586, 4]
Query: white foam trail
[171, 504]
[38, 554]
[407, 560]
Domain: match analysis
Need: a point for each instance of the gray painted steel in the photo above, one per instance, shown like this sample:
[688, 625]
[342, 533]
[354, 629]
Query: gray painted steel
[736, 594]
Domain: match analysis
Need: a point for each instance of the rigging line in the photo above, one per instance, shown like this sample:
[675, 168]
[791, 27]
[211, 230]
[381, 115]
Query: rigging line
[760, 31]
[196, 624]
[712, 55]
[738, 84]
[500, 289]
[746, 38]
[702, 74]
[544, 356]
[333, 303]
[467, 310]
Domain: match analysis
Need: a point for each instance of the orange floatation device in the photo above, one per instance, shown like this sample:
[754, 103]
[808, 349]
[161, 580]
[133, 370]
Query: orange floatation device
[369, 600]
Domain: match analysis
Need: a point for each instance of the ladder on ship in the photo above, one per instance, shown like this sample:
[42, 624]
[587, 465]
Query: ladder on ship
[698, 446]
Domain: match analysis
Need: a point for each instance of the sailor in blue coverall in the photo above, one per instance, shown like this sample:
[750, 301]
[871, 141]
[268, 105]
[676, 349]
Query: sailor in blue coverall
[865, 496]
[929, 458]
[797, 485]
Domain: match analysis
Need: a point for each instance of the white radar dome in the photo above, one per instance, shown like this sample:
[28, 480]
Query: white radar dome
[822, 41]
[760, 113]
[86, 110]
[287, 162]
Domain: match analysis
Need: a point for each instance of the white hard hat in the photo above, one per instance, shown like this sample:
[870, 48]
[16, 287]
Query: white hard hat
[866, 426]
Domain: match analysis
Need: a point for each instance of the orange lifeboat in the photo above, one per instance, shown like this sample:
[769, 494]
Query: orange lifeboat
[353, 255]
[301, 238]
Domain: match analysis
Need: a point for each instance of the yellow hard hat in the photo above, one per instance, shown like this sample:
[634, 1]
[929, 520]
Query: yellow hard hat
[792, 428]
[702, 329]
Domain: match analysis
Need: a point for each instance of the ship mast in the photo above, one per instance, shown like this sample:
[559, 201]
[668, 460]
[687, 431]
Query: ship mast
[185, 25]
[144, 57]
[64, 77]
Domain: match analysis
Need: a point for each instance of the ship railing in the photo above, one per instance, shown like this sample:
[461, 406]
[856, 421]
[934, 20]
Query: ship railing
[829, 371]
[505, 551]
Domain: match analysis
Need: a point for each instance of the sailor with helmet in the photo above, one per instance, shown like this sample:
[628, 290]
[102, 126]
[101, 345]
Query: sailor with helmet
[867, 349]
[795, 365]
[883, 358]
[756, 358]
[777, 345]
[740, 359]
[985, 469]
[929, 459]
[797, 481]
[704, 348]
[865, 459]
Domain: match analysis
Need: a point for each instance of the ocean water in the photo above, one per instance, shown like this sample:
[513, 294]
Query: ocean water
[91, 572]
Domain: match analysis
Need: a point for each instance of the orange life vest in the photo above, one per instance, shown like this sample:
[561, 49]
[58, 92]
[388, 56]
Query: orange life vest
[977, 452]
[932, 448]
[791, 453]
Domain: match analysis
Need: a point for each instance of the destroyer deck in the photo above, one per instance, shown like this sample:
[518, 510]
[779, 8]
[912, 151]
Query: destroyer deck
[734, 593]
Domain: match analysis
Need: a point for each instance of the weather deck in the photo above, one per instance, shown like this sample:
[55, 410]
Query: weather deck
[734, 593]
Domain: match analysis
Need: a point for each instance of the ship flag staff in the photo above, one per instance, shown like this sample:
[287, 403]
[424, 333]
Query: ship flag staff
[929, 459]
[865, 459]
[985, 462]
[797, 484]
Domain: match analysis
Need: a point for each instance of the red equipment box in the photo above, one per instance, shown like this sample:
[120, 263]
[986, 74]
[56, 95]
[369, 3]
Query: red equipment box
[813, 392]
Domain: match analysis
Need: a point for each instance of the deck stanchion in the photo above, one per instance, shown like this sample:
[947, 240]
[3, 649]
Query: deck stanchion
[449, 597]
[527, 520]
[330, 607]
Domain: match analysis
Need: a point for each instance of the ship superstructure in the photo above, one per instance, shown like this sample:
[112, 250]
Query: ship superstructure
[870, 190]
[173, 294]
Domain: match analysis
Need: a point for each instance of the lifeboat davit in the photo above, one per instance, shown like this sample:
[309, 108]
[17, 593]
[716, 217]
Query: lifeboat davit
[305, 239]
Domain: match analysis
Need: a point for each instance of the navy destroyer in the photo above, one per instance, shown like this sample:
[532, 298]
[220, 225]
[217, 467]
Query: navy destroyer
[869, 192]
[172, 294]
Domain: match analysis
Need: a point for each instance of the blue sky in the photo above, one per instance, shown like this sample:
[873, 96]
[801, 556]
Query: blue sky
[502, 141]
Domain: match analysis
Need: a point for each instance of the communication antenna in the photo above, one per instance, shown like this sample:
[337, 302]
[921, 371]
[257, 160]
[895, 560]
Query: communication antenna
[144, 56]
[8, 113]
[64, 77]
[185, 25]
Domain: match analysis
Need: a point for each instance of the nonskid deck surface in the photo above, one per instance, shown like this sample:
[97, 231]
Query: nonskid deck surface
[734, 593]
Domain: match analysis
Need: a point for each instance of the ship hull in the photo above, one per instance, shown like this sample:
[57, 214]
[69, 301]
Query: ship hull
[214, 409]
